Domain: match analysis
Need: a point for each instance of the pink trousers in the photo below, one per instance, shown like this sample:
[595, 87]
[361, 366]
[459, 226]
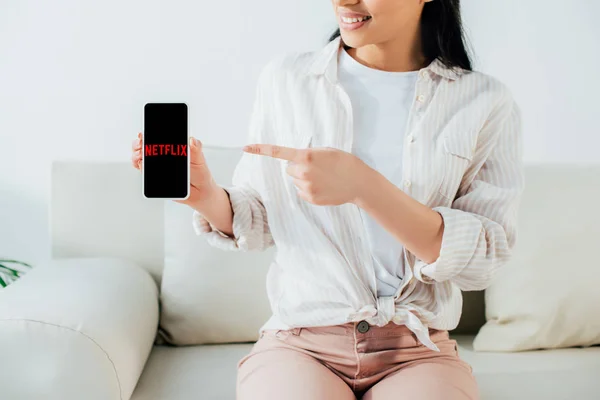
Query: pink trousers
[349, 362]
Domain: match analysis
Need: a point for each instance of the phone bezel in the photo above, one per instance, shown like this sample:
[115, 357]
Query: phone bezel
[188, 153]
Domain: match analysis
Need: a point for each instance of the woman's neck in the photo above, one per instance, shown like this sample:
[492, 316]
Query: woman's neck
[398, 55]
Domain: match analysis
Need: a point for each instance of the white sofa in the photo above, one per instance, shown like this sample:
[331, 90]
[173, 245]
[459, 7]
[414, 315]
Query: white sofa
[83, 326]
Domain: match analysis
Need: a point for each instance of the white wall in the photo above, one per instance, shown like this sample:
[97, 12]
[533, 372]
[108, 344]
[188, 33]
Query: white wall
[74, 77]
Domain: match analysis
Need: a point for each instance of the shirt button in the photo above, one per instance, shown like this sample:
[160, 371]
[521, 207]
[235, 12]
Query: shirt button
[407, 183]
[421, 98]
[423, 74]
[410, 138]
[363, 326]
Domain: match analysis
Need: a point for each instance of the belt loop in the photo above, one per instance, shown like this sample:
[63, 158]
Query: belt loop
[296, 331]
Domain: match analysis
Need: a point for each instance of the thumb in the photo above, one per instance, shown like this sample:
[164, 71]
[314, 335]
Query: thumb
[196, 156]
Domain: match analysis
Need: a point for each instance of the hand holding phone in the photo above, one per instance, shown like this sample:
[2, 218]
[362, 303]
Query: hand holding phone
[202, 184]
[177, 172]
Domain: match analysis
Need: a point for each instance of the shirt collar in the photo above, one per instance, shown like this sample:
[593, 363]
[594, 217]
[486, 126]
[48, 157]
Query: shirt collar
[326, 63]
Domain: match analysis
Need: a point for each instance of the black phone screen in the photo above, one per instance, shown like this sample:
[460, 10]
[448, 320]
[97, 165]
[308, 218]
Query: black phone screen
[165, 151]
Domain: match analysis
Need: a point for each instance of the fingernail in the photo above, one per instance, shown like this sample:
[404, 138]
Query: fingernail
[192, 141]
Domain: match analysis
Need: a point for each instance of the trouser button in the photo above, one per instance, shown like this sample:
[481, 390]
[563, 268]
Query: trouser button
[363, 326]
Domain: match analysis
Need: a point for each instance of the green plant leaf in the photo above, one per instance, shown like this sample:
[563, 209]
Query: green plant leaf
[2, 283]
[16, 262]
[10, 270]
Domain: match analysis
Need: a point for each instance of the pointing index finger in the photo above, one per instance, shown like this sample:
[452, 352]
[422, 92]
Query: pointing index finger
[272, 150]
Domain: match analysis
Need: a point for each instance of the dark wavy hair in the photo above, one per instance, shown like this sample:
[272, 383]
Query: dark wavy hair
[442, 34]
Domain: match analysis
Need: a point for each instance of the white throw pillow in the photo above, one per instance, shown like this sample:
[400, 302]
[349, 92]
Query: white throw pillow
[548, 295]
[210, 295]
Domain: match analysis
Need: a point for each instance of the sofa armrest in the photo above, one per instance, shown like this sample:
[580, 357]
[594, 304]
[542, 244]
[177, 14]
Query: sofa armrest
[79, 328]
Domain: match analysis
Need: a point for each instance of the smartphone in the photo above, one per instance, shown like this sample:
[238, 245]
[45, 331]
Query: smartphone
[165, 151]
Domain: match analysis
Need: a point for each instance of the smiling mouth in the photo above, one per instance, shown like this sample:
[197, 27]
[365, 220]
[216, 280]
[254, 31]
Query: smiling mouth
[354, 23]
[355, 20]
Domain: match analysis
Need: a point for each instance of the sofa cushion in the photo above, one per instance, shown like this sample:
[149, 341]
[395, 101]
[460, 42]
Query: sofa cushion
[76, 328]
[191, 372]
[209, 295]
[547, 296]
[538, 374]
[97, 210]
[209, 372]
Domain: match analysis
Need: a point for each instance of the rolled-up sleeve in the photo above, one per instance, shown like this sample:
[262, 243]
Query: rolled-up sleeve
[250, 223]
[480, 228]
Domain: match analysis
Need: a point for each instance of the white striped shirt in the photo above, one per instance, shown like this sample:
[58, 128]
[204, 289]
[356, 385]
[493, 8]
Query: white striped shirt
[462, 158]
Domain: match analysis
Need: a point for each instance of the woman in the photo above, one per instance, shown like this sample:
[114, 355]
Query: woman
[388, 174]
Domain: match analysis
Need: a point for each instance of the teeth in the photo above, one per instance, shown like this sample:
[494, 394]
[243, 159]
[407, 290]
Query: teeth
[354, 20]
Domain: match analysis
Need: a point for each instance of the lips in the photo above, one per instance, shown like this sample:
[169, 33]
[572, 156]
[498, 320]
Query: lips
[352, 21]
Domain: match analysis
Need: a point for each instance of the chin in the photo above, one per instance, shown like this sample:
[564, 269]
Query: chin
[353, 40]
